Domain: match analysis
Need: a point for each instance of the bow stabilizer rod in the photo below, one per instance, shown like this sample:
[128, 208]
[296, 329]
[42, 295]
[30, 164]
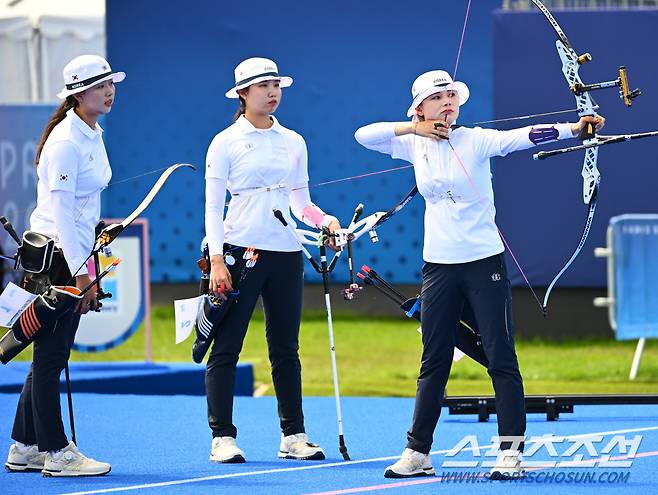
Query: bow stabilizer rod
[600, 141]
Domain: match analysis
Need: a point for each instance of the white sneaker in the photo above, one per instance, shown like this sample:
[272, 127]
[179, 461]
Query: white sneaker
[25, 458]
[71, 462]
[298, 447]
[508, 466]
[411, 465]
[225, 450]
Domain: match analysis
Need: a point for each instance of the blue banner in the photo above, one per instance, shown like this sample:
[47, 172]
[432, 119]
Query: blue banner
[20, 130]
[634, 248]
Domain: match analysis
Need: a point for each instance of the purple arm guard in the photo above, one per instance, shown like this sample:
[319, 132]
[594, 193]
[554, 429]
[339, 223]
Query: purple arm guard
[540, 135]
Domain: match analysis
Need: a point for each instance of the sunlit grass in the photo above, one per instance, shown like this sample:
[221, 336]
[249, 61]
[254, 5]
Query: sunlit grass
[380, 357]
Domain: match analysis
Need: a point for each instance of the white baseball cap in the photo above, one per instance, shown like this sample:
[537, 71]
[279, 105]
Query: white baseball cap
[85, 71]
[255, 70]
[433, 82]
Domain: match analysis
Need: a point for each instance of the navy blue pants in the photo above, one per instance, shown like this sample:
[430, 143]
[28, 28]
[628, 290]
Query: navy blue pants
[38, 415]
[484, 285]
[278, 277]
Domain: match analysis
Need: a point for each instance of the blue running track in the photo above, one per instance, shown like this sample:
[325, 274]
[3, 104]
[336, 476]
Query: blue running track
[160, 445]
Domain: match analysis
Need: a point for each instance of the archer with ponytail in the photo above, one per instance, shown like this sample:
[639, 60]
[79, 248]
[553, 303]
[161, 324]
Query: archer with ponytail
[72, 169]
[59, 115]
[242, 108]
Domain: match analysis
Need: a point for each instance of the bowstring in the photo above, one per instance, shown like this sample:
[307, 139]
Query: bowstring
[481, 199]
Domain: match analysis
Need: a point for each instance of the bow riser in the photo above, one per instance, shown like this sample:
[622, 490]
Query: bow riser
[570, 67]
[591, 174]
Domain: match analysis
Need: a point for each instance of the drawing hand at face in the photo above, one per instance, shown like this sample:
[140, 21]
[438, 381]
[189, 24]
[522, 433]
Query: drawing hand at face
[433, 129]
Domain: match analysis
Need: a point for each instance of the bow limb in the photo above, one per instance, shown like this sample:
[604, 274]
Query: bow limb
[583, 238]
[395, 209]
[111, 232]
[372, 222]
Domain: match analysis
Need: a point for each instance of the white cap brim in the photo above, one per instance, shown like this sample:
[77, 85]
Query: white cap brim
[460, 87]
[285, 82]
[116, 77]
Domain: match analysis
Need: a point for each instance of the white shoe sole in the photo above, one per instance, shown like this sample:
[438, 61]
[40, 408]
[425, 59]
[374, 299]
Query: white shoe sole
[71, 474]
[389, 473]
[317, 456]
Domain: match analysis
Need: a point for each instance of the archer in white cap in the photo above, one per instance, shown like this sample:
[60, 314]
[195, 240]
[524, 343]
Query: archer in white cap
[264, 167]
[463, 255]
[72, 170]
